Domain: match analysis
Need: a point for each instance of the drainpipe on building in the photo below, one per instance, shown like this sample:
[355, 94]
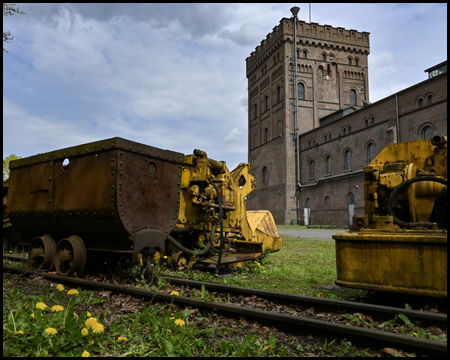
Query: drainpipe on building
[398, 121]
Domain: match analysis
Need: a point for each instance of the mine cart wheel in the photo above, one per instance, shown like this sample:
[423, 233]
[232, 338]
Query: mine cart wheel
[70, 256]
[41, 252]
[180, 259]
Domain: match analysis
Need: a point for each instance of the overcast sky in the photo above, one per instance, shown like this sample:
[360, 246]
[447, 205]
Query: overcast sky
[173, 75]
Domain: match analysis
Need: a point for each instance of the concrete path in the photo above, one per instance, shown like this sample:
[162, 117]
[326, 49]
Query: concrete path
[313, 234]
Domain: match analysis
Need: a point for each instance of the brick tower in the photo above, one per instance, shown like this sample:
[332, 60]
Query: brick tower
[332, 74]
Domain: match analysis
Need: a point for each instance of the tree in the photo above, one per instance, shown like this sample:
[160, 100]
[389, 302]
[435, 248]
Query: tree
[9, 9]
[6, 161]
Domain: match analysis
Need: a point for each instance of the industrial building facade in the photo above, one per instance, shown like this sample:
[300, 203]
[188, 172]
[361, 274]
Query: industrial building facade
[339, 130]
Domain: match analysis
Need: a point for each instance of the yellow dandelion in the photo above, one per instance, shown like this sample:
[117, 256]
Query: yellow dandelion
[98, 328]
[51, 331]
[85, 354]
[90, 322]
[72, 292]
[180, 322]
[243, 277]
[171, 318]
[348, 323]
[415, 334]
[267, 347]
[32, 315]
[122, 338]
[84, 332]
[57, 308]
[60, 287]
[20, 332]
[88, 314]
[169, 330]
[175, 293]
[216, 274]
[165, 256]
[41, 306]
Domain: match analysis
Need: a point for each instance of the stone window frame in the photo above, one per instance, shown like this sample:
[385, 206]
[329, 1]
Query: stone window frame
[298, 90]
[304, 54]
[349, 60]
[423, 129]
[366, 122]
[350, 92]
[324, 56]
[420, 102]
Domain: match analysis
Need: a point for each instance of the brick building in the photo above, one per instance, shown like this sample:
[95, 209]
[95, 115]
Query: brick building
[339, 131]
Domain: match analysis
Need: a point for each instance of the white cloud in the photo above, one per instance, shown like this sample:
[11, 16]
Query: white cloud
[234, 136]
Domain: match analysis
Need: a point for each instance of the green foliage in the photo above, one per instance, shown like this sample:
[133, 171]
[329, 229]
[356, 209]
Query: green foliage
[7, 159]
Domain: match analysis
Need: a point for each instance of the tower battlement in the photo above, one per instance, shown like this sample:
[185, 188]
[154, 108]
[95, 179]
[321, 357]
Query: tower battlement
[313, 34]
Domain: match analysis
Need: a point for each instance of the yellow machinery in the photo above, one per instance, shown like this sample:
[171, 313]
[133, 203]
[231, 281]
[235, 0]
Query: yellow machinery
[400, 244]
[118, 196]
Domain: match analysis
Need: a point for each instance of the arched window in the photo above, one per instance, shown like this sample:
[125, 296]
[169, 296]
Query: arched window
[351, 199]
[278, 93]
[328, 165]
[356, 62]
[266, 135]
[304, 54]
[327, 201]
[298, 53]
[344, 131]
[427, 132]
[420, 103]
[370, 152]
[348, 160]
[266, 103]
[349, 129]
[301, 91]
[328, 70]
[329, 137]
[311, 169]
[349, 61]
[324, 57]
[372, 121]
[265, 175]
[308, 203]
[352, 97]
[429, 99]
[255, 111]
[366, 122]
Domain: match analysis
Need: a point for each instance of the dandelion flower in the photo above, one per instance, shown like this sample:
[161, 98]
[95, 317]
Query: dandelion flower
[267, 347]
[90, 322]
[41, 306]
[180, 322]
[88, 314]
[84, 332]
[51, 331]
[165, 256]
[20, 332]
[243, 277]
[98, 328]
[169, 330]
[122, 338]
[85, 354]
[72, 292]
[174, 292]
[415, 334]
[171, 318]
[57, 308]
[348, 323]
[60, 287]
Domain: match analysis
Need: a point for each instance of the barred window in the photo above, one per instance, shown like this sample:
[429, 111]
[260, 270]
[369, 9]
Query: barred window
[311, 168]
[352, 97]
[427, 132]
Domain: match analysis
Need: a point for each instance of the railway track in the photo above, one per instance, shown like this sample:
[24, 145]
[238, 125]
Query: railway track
[295, 324]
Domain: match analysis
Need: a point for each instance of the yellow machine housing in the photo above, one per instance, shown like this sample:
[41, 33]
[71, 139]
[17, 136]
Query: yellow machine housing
[400, 244]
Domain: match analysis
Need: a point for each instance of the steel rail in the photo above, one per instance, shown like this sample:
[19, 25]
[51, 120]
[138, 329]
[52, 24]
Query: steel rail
[322, 304]
[297, 324]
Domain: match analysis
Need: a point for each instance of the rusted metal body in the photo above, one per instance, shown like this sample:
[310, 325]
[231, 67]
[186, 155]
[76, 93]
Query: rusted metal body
[400, 245]
[121, 196]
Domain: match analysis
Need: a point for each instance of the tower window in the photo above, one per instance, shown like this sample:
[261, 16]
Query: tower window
[255, 111]
[429, 99]
[366, 122]
[420, 103]
[278, 93]
[266, 103]
[349, 61]
[311, 169]
[327, 200]
[348, 160]
[266, 135]
[370, 153]
[304, 54]
[324, 57]
[356, 62]
[352, 97]
[328, 165]
[301, 91]
[265, 175]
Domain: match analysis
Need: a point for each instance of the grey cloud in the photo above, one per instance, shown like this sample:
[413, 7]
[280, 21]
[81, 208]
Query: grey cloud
[197, 20]
[247, 35]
